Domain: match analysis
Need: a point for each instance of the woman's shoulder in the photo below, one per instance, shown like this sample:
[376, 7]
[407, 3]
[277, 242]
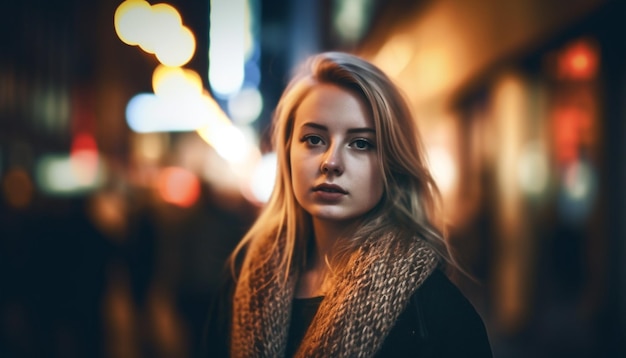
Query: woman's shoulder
[448, 318]
[439, 285]
[441, 297]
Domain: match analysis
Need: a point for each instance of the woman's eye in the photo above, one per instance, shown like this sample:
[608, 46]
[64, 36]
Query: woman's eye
[362, 144]
[312, 140]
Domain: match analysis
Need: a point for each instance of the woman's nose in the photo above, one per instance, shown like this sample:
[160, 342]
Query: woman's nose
[332, 163]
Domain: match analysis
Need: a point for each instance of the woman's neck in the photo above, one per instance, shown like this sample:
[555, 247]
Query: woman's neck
[326, 234]
[315, 280]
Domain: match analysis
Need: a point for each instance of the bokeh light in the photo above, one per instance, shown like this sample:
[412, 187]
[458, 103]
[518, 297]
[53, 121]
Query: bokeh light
[156, 29]
[227, 46]
[579, 60]
[395, 54]
[84, 158]
[173, 82]
[176, 47]
[442, 167]
[60, 174]
[578, 191]
[164, 21]
[130, 21]
[261, 183]
[351, 18]
[178, 186]
[147, 113]
[245, 106]
[149, 147]
[17, 188]
[227, 140]
[533, 169]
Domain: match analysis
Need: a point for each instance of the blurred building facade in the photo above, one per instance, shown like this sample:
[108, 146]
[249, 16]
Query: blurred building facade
[519, 103]
[524, 97]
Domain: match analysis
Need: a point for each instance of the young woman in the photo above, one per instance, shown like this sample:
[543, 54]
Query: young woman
[346, 258]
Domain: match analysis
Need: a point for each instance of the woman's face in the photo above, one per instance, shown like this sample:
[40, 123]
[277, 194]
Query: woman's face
[334, 163]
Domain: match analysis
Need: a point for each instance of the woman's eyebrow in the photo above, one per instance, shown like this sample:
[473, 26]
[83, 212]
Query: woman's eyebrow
[315, 126]
[362, 130]
[351, 130]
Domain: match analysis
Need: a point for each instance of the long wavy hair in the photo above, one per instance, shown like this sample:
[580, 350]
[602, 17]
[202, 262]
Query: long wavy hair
[411, 202]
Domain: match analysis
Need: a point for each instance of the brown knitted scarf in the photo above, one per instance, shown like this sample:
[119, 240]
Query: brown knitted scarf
[352, 321]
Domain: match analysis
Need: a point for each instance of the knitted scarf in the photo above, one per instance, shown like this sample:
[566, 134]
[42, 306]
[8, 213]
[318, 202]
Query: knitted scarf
[352, 321]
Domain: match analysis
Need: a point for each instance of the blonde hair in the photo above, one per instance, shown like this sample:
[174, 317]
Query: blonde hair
[411, 200]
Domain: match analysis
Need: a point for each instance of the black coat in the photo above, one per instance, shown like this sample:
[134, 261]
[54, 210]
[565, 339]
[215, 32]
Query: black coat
[439, 322]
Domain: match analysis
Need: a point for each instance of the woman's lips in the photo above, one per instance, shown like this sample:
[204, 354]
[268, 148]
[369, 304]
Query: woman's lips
[330, 188]
[329, 192]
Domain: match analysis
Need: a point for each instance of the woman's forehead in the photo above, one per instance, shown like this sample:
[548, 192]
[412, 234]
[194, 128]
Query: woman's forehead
[330, 105]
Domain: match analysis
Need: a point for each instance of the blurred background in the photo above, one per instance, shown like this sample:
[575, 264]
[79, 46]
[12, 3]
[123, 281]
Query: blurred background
[134, 154]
